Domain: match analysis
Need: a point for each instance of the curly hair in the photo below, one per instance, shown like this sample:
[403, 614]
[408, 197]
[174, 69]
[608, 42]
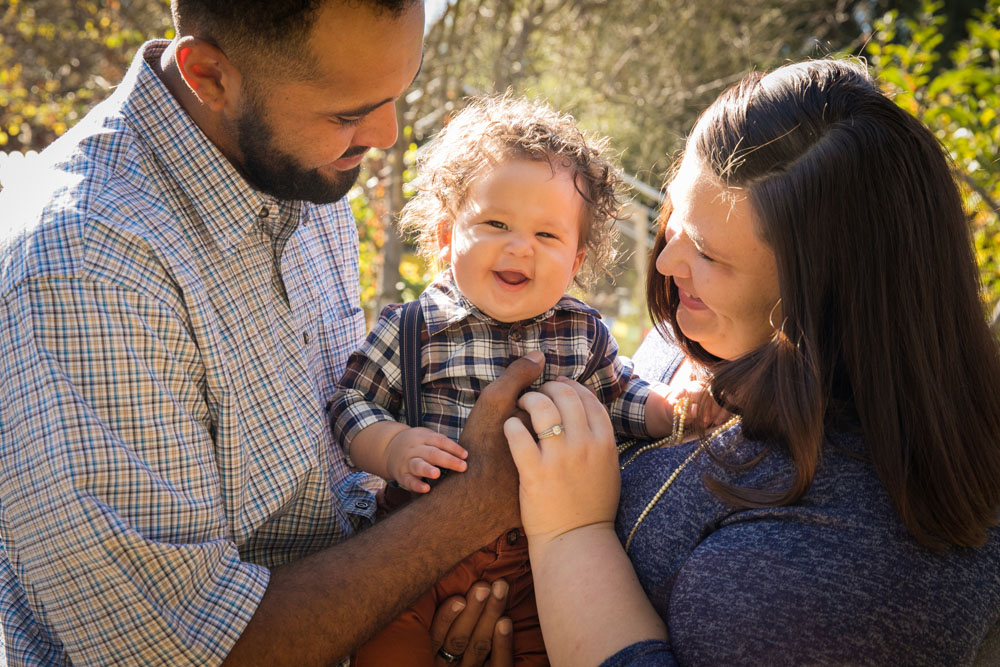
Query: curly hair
[495, 128]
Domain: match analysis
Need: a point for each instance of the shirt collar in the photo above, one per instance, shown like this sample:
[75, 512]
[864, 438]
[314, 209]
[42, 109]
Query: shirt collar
[221, 198]
[444, 305]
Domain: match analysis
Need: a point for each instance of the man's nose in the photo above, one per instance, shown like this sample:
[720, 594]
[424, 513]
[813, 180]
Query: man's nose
[379, 128]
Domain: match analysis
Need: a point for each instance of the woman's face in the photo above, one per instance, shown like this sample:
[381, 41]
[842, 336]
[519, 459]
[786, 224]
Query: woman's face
[727, 278]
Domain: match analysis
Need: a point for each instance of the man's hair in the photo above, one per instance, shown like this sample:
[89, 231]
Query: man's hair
[271, 32]
[492, 129]
[882, 326]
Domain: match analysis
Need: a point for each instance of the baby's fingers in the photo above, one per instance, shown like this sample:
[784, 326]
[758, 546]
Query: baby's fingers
[446, 445]
[433, 456]
[413, 483]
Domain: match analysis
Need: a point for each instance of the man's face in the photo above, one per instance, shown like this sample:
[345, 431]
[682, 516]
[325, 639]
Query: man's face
[305, 139]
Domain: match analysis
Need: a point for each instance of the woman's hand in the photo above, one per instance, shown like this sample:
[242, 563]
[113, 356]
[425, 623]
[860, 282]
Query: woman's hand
[590, 603]
[464, 631]
[568, 480]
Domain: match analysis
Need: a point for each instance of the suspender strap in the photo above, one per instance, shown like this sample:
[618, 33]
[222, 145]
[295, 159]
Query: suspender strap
[409, 351]
[598, 349]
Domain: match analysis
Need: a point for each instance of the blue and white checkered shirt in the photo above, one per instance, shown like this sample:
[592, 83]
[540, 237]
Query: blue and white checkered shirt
[170, 339]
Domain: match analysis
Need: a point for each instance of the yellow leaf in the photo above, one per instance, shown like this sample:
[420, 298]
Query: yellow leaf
[3, 138]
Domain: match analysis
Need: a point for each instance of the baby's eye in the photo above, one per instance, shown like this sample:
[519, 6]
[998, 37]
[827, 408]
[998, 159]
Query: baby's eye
[547, 235]
[497, 224]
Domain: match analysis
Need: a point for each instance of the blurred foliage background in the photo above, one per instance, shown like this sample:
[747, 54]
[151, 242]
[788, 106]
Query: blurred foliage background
[639, 72]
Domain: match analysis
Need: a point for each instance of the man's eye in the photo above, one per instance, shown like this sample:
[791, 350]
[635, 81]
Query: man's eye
[349, 121]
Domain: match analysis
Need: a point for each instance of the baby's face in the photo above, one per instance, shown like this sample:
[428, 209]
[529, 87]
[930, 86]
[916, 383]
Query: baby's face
[514, 246]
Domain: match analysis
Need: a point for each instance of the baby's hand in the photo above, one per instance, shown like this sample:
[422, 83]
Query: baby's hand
[414, 453]
[702, 411]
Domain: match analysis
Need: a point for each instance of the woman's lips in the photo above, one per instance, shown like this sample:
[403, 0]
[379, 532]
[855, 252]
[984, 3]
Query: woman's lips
[689, 301]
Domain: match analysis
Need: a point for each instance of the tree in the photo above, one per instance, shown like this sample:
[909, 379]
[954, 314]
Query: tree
[60, 57]
[638, 72]
[957, 94]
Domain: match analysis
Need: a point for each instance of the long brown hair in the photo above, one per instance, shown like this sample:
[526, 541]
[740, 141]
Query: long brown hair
[882, 326]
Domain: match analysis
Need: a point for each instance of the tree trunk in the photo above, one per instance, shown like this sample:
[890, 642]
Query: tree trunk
[392, 251]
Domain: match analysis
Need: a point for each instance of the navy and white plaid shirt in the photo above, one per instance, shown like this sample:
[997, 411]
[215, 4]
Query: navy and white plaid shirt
[463, 350]
[170, 337]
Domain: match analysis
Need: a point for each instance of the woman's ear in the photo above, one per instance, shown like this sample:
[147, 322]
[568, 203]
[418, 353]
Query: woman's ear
[210, 75]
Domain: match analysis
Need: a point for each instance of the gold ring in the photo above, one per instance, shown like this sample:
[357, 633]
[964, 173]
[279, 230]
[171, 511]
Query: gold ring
[551, 431]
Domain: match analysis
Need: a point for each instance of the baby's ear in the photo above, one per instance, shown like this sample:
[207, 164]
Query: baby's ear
[444, 238]
[578, 261]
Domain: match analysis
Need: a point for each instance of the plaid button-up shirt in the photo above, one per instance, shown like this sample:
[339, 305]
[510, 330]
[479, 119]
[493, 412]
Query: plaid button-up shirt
[463, 350]
[170, 337]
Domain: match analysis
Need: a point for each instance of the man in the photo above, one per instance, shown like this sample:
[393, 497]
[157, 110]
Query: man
[174, 313]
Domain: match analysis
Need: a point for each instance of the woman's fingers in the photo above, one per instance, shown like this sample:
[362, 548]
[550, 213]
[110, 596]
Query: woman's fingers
[591, 410]
[543, 412]
[571, 479]
[523, 448]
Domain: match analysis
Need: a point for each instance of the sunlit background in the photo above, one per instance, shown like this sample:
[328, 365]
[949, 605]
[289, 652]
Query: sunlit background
[639, 72]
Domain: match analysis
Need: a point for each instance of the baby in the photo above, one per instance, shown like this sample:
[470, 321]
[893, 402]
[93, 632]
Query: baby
[518, 204]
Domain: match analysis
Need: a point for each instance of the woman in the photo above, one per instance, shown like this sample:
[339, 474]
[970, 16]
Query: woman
[813, 258]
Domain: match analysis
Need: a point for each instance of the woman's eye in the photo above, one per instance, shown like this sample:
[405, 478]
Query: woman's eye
[704, 256]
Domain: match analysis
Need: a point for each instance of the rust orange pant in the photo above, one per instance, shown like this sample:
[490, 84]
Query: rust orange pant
[407, 640]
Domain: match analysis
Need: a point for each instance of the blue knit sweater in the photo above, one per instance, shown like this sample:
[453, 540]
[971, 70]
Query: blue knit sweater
[832, 580]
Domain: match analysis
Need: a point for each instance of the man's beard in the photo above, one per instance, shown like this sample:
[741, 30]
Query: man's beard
[277, 173]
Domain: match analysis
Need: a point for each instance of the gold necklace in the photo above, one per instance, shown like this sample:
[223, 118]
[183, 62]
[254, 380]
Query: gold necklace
[675, 437]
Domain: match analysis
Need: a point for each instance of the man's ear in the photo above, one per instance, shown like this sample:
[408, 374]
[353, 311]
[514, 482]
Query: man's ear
[206, 70]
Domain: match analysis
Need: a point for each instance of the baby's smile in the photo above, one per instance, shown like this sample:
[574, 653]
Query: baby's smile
[511, 277]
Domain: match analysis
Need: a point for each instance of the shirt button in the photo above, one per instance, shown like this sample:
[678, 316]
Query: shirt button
[361, 504]
[305, 337]
[264, 212]
[516, 335]
[512, 536]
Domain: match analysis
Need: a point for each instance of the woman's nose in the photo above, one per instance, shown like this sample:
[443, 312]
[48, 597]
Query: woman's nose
[670, 261]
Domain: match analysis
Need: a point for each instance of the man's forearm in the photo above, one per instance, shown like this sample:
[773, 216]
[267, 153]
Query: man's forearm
[322, 607]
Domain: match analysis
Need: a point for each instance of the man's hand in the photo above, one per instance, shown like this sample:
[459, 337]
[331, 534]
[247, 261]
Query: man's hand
[320, 608]
[474, 628]
[490, 465]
